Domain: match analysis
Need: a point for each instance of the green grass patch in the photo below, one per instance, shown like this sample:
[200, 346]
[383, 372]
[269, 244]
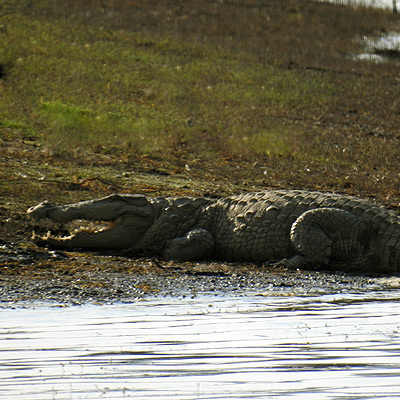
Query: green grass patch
[177, 81]
[73, 128]
[92, 88]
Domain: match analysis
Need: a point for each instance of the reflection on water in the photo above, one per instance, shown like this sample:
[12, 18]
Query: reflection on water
[343, 346]
[380, 49]
[372, 3]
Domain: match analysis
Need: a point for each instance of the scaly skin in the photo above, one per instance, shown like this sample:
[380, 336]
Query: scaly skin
[298, 228]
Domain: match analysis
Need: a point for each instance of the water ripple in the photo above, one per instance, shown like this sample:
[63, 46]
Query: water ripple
[333, 347]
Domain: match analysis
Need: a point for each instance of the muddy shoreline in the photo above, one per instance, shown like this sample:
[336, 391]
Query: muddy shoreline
[30, 274]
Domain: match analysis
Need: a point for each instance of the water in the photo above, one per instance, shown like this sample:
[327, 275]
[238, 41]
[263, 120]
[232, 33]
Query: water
[334, 346]
[378, 49]
[373, 3]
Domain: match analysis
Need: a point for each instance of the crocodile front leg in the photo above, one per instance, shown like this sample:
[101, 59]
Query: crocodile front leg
[197, 244]
[332, 237]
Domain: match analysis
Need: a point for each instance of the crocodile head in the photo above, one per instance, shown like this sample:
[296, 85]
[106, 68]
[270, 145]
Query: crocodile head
[129, 217]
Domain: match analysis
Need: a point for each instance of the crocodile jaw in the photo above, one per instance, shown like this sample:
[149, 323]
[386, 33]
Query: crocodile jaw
[114, 236]
[130, 215]
[124, 233]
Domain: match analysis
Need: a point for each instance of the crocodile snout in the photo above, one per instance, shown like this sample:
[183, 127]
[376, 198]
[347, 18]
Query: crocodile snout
[39, 211]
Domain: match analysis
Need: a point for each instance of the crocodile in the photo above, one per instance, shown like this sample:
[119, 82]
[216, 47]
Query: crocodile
[295, 228]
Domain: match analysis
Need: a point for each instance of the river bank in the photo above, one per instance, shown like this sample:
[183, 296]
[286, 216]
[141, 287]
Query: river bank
[30, 276]
[172, 101]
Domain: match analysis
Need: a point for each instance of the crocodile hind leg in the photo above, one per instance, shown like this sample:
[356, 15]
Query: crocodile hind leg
[332, 237]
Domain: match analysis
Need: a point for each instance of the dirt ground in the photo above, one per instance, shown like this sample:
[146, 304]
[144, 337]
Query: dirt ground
[29, 274]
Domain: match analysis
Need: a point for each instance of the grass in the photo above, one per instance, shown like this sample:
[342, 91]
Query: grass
[193, 97]
[93, 88]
